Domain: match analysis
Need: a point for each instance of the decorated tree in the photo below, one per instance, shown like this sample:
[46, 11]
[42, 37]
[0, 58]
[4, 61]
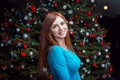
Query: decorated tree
[20, 31]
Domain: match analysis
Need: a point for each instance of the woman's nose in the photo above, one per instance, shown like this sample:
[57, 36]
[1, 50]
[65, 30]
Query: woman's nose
[60, 27]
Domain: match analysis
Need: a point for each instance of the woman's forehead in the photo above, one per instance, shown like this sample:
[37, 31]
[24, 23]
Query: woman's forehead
[58, 20]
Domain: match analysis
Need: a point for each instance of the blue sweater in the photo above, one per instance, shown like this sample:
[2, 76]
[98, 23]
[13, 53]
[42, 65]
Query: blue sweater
[64, 64]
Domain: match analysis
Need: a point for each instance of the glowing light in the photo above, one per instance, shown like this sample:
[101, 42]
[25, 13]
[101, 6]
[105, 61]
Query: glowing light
[105, 7]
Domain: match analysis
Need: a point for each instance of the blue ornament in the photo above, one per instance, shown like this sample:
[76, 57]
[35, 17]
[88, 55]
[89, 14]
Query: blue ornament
[2, 44]
[25, 35]
[17, 29]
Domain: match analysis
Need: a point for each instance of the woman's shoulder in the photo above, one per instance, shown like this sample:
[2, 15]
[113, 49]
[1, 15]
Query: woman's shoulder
[55, 50]
[55, 47]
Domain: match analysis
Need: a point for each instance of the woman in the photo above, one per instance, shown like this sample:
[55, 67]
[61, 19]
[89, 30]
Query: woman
[56, 51]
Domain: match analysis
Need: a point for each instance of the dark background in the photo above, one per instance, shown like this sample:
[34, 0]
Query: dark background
[111, 21]
[113, 36]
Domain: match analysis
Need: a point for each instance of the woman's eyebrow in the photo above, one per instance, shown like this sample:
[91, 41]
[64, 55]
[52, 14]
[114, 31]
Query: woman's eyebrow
[62, 22]
[53, 25]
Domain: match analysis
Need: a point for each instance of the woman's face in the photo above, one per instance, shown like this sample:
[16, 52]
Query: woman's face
[59, 28]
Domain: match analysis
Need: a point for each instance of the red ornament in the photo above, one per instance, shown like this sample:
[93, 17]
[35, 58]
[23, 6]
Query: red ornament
[97, 17]
[4, 67]
[25, 45]
[85, 24]
[91, 6]
[72, 18]
[6, 38]
[79, 53]
[94, 65]
[89, 13]
[88, 24]
[72, 32]
[28, 29]
[18, 68]
[77, 1]
[102, 43]
[76, 16]
[6, 24]
[82, 43]
[34, 19]
[14, 43]
[98, 28]
[28, 21]
[111, 69]
[32, 8]
[23, 54]
[104, 35]
[92, 35]
[81, 10]
[95, 21]
[55, 5]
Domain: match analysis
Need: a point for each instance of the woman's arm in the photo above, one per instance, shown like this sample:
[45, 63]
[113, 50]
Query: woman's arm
[58, 65]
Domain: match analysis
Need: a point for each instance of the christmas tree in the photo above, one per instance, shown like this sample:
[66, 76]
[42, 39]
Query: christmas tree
[20, 31]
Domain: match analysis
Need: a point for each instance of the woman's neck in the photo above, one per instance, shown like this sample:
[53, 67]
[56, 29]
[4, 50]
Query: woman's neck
[62, 44]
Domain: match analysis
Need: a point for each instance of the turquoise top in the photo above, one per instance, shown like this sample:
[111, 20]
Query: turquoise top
[64, 64]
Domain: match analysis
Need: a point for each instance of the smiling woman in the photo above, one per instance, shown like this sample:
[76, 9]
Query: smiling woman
[56, 51]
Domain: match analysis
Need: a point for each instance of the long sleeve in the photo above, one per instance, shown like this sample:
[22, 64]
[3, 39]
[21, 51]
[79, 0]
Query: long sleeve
[58, 65]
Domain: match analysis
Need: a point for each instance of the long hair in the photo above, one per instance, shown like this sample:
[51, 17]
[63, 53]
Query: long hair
[46, 40]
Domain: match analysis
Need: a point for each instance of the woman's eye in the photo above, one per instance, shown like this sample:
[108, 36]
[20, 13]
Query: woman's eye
[54, 26]
[62, 23]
